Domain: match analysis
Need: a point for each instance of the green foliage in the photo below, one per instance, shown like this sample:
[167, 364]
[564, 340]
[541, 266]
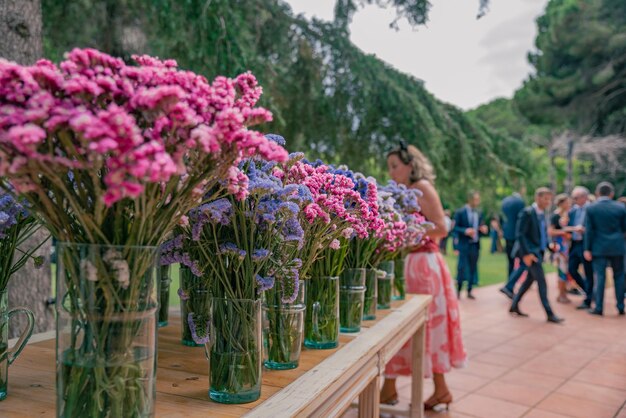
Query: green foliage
[580, 63]
[329, 99]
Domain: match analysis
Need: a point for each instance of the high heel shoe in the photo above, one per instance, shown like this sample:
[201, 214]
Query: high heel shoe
[445, 399]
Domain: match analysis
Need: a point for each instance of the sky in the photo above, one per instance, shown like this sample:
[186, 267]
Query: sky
[462, 60]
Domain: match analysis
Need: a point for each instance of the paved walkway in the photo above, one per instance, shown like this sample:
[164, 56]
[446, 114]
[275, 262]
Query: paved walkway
[525, 367]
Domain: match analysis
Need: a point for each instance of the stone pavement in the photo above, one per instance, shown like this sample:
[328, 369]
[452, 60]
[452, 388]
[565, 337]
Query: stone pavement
[526, 367]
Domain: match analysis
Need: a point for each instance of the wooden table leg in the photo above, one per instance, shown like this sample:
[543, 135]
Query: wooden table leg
[369, 400]
[417, 377]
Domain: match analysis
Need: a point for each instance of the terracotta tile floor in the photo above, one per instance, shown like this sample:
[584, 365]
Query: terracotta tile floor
[526, 367]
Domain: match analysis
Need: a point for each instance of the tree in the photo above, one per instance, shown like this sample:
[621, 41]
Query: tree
[580, 81]
[329, 99]
[414, 11]
[20, 41]
[580, 63]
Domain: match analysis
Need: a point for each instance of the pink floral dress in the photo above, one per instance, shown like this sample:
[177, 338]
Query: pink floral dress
[426, 272]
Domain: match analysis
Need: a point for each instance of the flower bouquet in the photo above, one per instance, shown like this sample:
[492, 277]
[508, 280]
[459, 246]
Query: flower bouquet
[337, 210]
[359, 271]
[16, 227]
[111, 156]
[405, 202]
[237, 249]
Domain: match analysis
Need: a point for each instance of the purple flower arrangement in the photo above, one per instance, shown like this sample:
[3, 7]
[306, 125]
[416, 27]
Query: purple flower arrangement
[16, 226]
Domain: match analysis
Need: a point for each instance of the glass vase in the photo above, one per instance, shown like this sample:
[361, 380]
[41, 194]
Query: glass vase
[371, 294]
[351, 299]
[283, 327]
[234, 351]
[164, 295]
[399, 285]
[107, 307]
[385, 283]
[7, 357]
[194, 305]
[321, 325]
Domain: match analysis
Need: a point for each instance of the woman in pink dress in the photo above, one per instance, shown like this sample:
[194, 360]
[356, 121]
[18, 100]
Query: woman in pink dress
[426, 272]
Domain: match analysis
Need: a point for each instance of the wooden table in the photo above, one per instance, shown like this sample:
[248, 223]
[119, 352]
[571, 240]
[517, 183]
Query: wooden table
[325, 385]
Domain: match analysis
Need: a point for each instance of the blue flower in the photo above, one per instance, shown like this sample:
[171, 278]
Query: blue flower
[276, 138]
[230, 248]
[292, 231]
[260, 254]
[264, 283]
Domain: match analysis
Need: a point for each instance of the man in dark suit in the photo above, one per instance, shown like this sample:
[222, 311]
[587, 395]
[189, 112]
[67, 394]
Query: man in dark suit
[530, 246]
[468, 226]
[605, 228]
[511, 207]
[580, 196]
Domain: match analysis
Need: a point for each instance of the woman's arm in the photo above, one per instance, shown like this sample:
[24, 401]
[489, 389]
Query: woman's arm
[432, 209]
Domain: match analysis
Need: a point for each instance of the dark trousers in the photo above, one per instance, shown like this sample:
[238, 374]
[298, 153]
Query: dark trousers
[509, 255]
[467, 268]
[535, 273]
[575, 260]
[599, 267]
[515, 276]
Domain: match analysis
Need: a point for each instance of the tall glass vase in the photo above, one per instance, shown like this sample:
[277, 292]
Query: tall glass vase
[164, 295]
[283, 326]
[399, 284]
[321, 325]
[194, 306]
[351, 300]
[107, 307]
[385, 284]
[7, 357]
[371, 294]
[235, 350]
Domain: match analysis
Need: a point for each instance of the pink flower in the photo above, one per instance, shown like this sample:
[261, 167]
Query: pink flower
[334, 244]
[148, 123]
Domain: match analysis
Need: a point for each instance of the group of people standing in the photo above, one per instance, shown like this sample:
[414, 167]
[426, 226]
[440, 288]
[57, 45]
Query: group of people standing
[591, 235]
[585, 234]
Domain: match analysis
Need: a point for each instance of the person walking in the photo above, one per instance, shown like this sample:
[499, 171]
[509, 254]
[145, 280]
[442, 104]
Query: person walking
[580, 196]
[426, 272]
[511, 207]
[605, 227]
[495, 232]
[468, 227]
[530, 246]
[560, 237]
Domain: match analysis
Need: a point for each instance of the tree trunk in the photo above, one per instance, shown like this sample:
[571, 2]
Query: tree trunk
[20, 31]
[20, 41]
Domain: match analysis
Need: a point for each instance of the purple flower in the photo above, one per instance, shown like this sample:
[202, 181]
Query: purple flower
[292, 231]
[276, 138]
[230, 248]
[182, 294]
[260, 254]
[200, 330]
[264, 283]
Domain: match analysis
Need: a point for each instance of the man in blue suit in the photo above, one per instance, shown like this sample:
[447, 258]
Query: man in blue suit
[468, 226]
[530, 245]
[511, 207]
[580, 196]
[605, 229]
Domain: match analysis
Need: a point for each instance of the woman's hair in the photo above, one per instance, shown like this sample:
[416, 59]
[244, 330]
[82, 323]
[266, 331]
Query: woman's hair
[560, 198]
[421, 168]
